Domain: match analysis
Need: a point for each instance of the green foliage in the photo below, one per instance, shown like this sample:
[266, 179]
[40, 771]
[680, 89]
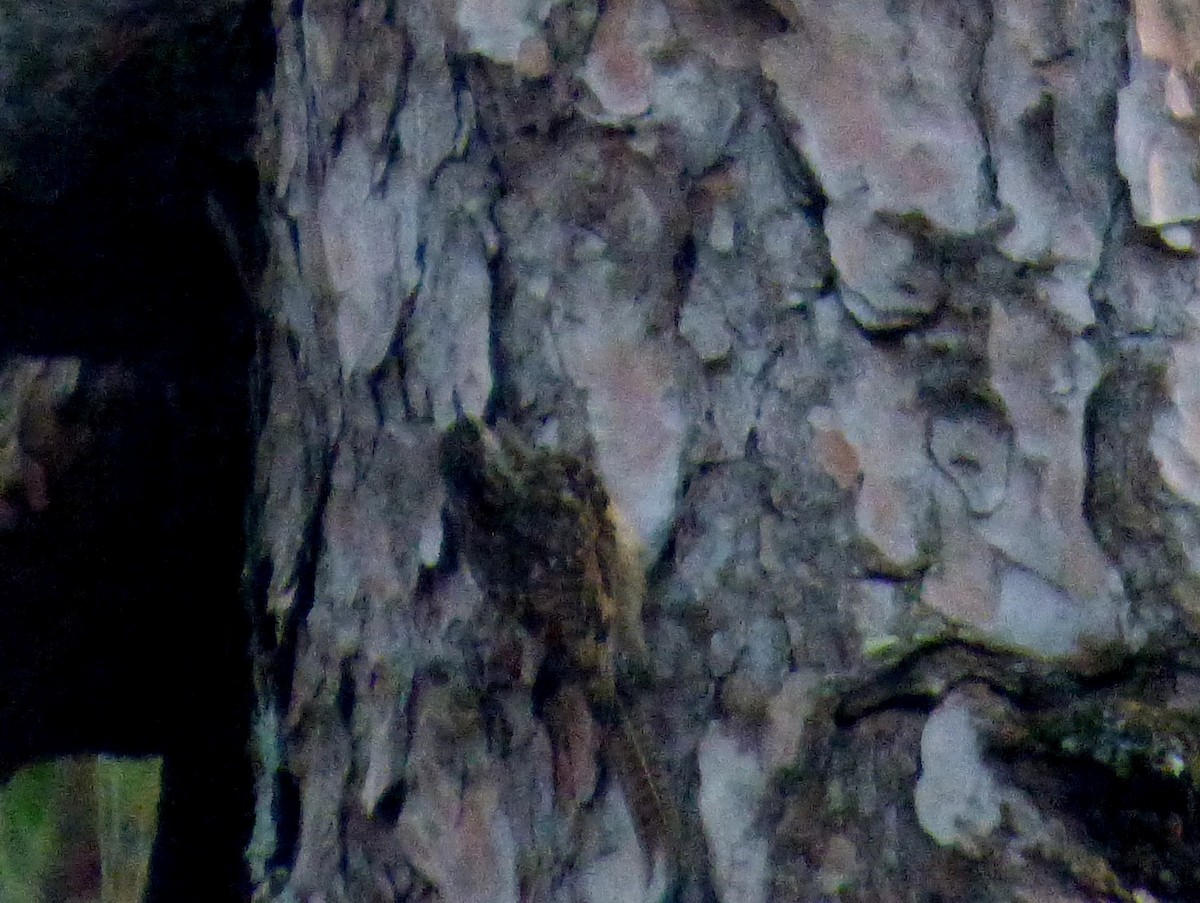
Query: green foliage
[27, 833]
[38, 811]
[128, 795]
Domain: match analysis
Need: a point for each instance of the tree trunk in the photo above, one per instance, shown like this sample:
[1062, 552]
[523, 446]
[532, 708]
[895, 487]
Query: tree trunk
[874, 322]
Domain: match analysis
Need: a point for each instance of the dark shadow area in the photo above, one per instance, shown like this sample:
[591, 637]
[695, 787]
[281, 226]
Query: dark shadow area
[122, 623]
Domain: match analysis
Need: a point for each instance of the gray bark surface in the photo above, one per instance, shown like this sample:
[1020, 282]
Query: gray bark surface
[876, 323]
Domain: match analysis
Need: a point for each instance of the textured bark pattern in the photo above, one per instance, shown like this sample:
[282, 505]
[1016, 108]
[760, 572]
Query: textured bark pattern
[878, 323]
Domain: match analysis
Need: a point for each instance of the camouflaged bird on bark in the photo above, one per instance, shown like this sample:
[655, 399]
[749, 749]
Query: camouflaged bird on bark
[539, 530]
[540, 533]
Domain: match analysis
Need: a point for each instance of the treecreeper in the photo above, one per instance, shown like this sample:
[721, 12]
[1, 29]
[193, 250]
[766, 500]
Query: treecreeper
[541, 536]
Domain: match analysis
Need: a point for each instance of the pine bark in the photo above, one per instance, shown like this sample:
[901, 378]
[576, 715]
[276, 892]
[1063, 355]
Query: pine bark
[875, 321]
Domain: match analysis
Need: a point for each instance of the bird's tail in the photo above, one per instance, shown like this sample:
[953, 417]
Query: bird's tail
[655, 818]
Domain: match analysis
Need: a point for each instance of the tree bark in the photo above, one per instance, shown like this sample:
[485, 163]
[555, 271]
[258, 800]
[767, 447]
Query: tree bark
[876, 324]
